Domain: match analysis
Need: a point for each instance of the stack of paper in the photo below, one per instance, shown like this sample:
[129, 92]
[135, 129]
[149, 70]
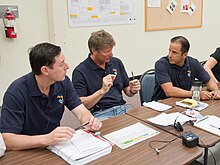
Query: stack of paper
[82, 148]
[157, 106]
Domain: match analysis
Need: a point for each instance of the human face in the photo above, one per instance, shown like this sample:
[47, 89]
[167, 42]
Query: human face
[104, 55]
[175, 55]
[58, 71]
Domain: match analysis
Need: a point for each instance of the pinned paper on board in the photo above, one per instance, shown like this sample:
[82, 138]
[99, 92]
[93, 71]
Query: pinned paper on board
[171, 6]
[192, 8]
[184, 6]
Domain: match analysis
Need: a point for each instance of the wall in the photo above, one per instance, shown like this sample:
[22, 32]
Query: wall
[137, 49]
[32, 27]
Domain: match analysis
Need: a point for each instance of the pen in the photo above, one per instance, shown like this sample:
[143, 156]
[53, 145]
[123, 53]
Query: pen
[214, 126]
[132, 74]
[82, 125]
[206, 117]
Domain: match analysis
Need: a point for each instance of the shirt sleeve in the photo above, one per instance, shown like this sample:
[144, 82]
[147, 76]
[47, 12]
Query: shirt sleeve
[72, 99]
[161, 72]
[216, 54]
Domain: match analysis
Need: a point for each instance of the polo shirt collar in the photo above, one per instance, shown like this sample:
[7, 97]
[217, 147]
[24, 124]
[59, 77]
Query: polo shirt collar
[32, 85]
[93, 65]
[186, 65]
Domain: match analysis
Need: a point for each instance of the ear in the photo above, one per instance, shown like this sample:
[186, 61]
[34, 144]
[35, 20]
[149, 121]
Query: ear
[44, 70]
[185, 54]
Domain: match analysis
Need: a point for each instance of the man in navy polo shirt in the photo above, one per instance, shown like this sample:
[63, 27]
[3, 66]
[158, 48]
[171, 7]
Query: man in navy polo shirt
[33, 104]
[100, 79]
[174, 73]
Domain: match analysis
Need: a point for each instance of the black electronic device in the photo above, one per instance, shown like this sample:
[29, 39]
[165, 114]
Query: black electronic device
[189, 139]
[178, 126]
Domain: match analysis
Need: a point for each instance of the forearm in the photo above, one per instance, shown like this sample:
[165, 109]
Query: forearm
[178, 92]
[211, 85]
[91, 100]
[21, 142]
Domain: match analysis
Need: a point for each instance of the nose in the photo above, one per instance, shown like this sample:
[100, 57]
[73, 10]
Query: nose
[67, 66]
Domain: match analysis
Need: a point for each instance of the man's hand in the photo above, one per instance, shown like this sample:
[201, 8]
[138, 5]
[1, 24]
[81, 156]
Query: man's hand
[107, 82]
[58, 135]
[134, 86]
[94, 124]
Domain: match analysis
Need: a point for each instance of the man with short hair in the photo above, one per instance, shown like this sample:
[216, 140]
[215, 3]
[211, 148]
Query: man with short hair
[33, 104]
[175, 73]
[100, 79]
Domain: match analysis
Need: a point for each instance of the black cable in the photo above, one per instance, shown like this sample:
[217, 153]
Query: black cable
[204, 146]
[161, 141]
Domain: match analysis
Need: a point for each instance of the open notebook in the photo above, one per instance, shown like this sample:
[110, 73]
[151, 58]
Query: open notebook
[82, 148]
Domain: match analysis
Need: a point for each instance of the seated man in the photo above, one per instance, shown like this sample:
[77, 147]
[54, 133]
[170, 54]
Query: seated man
[100, 78]
[174, 73]
[212, 66]
[33, 104]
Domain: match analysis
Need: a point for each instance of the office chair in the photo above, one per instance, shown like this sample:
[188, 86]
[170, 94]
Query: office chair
[147, 82]
[203, 62]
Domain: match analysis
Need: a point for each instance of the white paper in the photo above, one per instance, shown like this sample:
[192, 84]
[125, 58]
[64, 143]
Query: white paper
[164, 119]
[154, 3]
[210, 123]
[157, 106]
[192, 8]
[83, 147]
[131, 135]
[98, 13]
[184, 6]
[2, 145]
[171, 6]
[199, 107]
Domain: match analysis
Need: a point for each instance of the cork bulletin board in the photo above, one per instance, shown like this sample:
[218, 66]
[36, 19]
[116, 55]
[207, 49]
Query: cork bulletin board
[159, 18]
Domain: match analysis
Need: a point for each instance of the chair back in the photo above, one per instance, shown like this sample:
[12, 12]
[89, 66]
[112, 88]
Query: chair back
[147, 81]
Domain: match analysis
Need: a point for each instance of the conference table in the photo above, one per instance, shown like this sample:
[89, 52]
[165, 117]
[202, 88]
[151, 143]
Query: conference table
[206, 139]
[140, 153]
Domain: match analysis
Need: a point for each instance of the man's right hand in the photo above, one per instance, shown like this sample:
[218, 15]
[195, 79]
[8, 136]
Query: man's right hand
[107, 82]
[60, 134]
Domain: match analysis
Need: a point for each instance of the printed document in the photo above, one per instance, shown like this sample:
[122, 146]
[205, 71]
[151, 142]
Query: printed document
[164, 119]
[131, 135]
[157, 106]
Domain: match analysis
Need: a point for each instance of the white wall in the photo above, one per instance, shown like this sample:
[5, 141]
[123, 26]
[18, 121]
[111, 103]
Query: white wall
[138, 49]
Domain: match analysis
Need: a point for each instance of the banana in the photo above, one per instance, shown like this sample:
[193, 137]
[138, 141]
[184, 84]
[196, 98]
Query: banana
[190, 103]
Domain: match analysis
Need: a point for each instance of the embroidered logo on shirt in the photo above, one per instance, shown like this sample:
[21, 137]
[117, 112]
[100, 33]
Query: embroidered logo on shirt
[115, 72]
[60, 99]
[188, 73]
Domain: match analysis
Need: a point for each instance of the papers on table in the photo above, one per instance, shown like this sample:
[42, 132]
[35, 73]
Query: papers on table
[131, 135]
[82, 148]
[157, 106]
[209, 123]
[164, 119]
[200, 105]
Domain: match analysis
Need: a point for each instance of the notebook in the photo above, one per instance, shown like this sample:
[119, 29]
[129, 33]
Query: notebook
[82, 148]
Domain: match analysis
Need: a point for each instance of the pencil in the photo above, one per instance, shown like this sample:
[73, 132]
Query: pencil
[82, 125]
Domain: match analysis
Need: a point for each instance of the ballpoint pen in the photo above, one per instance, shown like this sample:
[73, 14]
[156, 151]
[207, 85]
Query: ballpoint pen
[82, 125]
[214, 126]
[132, 74]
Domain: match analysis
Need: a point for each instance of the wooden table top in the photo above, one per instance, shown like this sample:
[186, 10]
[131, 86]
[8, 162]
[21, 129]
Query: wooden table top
[209, 139]
[139, 153]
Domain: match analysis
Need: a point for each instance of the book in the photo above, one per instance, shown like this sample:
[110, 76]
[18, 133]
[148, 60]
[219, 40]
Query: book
[209, 123]
[84, 147]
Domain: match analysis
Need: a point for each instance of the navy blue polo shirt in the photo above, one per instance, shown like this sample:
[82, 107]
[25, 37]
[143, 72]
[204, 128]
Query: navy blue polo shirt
[26, 110]
[180, 77]
[87, 79]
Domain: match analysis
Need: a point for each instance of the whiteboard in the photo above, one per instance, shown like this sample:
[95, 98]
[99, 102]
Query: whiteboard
[101, 12]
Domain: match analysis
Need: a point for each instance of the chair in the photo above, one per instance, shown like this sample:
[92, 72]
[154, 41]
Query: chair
[203, 62]
[147, 81]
